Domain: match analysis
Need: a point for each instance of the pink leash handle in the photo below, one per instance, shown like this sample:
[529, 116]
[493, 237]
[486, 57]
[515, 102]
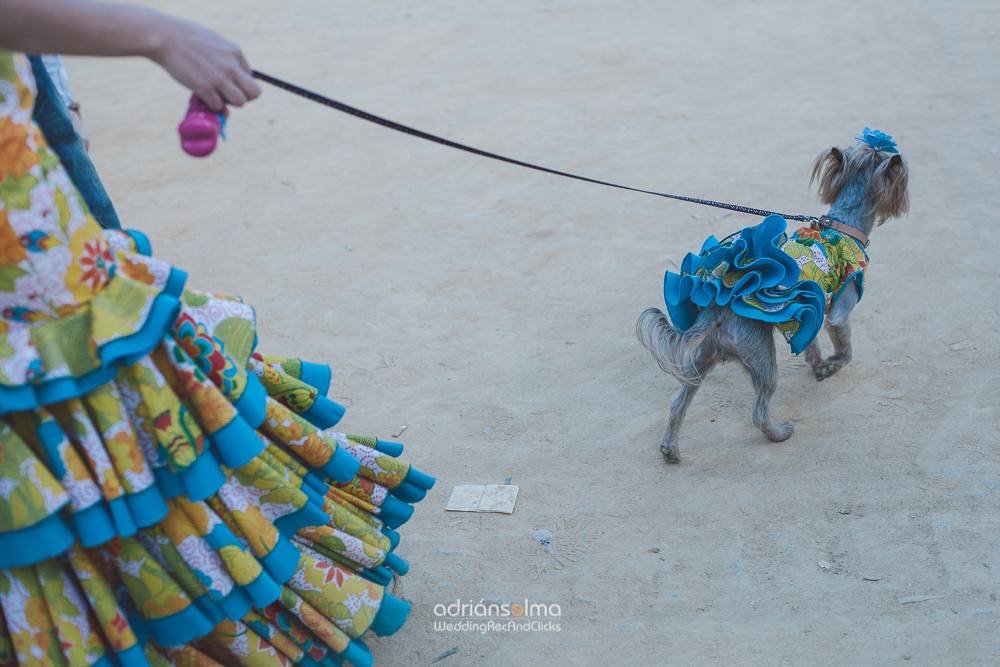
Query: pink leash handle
[201, 128]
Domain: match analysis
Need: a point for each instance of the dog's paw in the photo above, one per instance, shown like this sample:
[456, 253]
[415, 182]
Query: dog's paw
[782, 431]
[670, 455]
[828, 368]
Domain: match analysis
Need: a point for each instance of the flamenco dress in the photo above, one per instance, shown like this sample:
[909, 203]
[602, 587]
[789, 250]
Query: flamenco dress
[169, 495]
[763, 274]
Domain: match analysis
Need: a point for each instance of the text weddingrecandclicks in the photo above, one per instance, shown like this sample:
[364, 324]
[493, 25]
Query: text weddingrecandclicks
[485, 617]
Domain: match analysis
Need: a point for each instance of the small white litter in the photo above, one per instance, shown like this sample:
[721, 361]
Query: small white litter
[488, 498]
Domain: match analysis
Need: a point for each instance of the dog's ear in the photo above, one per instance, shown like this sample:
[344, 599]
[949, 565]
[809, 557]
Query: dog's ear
[829, 168]
[888, 189]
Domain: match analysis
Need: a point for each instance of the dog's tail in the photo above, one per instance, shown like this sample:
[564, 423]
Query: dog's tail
[674, 350]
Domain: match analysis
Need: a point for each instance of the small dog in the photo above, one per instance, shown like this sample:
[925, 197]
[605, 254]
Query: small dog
[727, 301]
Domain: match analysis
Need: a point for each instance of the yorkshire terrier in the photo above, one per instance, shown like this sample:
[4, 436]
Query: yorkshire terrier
[727, 301]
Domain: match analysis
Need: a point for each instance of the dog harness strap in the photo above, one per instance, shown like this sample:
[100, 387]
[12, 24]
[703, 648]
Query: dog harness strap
[855, 234]
[392, 125]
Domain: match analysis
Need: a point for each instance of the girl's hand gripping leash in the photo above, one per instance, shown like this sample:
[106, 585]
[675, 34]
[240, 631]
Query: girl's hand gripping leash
[201, 128]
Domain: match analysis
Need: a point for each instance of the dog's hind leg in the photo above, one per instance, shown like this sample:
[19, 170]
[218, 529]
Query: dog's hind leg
[754, 343]
[838, 325]
[679, 407]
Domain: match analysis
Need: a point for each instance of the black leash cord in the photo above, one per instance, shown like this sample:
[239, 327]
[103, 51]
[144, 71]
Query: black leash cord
[364, 115]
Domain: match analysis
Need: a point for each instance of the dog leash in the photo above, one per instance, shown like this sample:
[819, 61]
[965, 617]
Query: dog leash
[392, 125]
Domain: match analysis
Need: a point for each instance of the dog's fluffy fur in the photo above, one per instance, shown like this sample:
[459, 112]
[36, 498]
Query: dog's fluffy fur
[864, 188]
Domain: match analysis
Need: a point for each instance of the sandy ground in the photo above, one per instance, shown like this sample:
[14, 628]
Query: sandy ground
[491, 309]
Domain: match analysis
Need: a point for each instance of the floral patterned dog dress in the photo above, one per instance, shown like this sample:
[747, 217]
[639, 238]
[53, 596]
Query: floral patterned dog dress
[764, 275]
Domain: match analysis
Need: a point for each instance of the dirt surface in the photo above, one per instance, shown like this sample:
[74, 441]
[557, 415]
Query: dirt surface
[491, 309]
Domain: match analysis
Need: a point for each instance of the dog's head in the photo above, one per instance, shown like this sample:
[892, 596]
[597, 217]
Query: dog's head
[871, 163]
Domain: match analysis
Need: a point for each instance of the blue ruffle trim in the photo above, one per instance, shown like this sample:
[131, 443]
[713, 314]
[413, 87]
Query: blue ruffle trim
[237, 443]
[308, 515]
[316, 375]
[324, 413]
[119, 352]
[342, 466]
[395, 512]
[392, 613]
[396, 564]
[26, 546]
[283, 560]
[180, 628]
[252, 403]
[132, 657]
[394, 449]
[764, 272]
[356, 654]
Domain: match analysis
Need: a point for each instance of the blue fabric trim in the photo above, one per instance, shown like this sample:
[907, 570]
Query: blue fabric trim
[202, 478]
[395, 512]
[396, 564]
[212, 611]
[252, 403]
[341, 467]
[314, 497]
[308, 515]
[122, 518]
[393, 537]
[147, 506]
[419, 479]
[179, 628]
[391, 616]
[26, 546]
[175, 282]
[168, 483]
[237, 443]
[317, 376]
[378, 575]
[324, 413]
[263, 590]
[390, 448]
[236, 605]
[51, 436]
[283, 560]
[105, 661]
[93, 525]
[357, 654]
[316, 483]
[132, 657]
[142, 244]
[307, 661]
[408, 493]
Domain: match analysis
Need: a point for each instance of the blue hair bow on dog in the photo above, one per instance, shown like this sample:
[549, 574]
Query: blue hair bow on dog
[880, 141]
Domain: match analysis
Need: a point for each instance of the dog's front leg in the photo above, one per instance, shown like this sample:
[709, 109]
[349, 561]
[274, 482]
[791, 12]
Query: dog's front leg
[838, 325]
[814, 356]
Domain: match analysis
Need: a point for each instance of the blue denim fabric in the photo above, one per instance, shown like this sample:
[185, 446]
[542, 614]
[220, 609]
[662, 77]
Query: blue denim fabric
[57, 128]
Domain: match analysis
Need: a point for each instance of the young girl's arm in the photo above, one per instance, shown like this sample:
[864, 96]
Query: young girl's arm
[210, 66]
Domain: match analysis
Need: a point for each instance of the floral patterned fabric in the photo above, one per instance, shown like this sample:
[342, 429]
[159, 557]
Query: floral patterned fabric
[168, 495]
[763, 274]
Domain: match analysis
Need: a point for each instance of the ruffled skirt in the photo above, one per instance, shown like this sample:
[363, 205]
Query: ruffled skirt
[170, 496]
[749, 272]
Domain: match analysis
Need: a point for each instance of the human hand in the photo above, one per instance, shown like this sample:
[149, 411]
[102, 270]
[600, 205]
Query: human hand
[212, 67]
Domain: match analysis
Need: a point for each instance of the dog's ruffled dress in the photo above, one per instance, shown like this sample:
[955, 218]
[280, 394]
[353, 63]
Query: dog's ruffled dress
[168, 496]
[764, 275]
